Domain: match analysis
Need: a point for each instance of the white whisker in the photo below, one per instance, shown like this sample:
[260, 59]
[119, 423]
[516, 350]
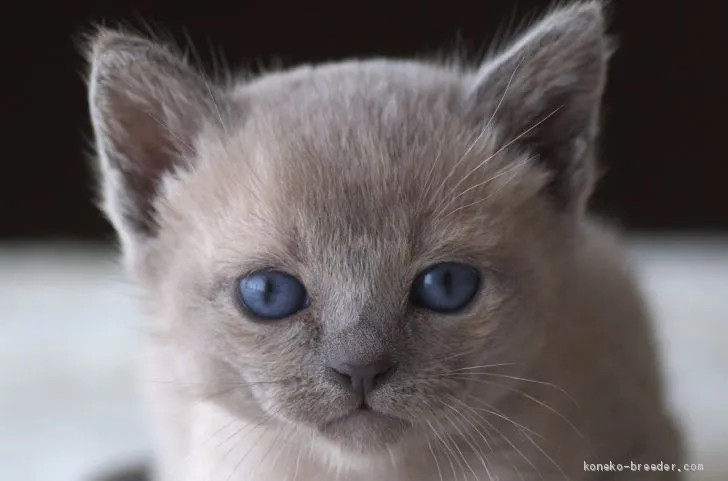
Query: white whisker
[546, 455]
[449, 451]
[460, 451]
[483, 366]
[508, 441]
[495, 412]
[541, 403]
[472, 447]
[437, 463]
[508, 144]
[428, 179]
[500, 174]
[517, 378]
[482, 131]
[298, 463]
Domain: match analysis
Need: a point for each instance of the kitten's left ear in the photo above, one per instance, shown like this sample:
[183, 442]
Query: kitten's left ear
[148, 107]
[544, 93]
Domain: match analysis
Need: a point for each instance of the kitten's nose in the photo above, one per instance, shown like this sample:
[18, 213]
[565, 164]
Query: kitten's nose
[362, 378]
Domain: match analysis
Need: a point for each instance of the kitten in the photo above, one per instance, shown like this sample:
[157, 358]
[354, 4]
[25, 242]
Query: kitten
[380, 270]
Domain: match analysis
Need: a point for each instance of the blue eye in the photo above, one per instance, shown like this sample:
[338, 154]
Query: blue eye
[445, 287]
[272, 295]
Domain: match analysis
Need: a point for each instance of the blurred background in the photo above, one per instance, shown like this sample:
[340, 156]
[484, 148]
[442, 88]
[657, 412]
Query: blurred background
[69, 322]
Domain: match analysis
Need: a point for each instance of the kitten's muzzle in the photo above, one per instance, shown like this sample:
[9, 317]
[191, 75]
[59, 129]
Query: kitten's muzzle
[361, 379]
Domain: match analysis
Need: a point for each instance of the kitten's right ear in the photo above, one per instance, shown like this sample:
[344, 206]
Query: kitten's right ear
[544, 90]
[147, 107]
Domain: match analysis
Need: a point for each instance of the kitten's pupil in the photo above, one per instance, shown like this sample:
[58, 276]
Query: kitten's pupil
[447, 282]
[267, 291]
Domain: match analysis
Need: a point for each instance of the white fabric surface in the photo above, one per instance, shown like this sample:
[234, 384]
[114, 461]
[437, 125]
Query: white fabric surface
[68, 337]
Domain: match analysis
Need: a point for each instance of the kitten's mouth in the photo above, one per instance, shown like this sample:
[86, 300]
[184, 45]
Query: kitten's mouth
[363, 413]
[364, 425]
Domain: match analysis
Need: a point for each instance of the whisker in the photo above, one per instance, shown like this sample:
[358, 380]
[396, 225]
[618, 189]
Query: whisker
[541, 403]
[234, 386]
[196, 449]
[516, 378]
[482, 131]
[484, 366]
[503, 172]
[520, 475]
[490, 409]
[298, 463]
[422, 414]
[450, 452]
[459, 457]
[511, 142]
[392, 457]
[546, 455]
[478, 427]
[437, 463]
[475, 450]
[428, 179]
[526, 458]
[240, 461]
[249, 428]
[450, 420]
[274, 444]
[434, 364]
[203, 383]
[451, 357]
[490, 195]
[247, 425]
[505, 92]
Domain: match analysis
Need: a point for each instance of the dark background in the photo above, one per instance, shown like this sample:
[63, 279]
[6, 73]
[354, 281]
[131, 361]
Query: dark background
[664, 143]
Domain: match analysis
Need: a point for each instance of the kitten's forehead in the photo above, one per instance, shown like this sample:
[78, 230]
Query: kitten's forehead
[357, 164]
[355, 114]
[353, 137]
[371, 134]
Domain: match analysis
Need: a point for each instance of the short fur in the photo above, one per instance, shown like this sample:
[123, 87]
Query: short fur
[354, 176]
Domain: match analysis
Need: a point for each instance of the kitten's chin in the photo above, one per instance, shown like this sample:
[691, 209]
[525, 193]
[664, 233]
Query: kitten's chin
[365, 431]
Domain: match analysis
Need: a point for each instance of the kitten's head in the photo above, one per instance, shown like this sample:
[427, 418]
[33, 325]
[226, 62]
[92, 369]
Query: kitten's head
[353, 241]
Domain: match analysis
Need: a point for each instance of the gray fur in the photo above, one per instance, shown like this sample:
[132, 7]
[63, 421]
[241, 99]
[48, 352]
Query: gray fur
[354, 176]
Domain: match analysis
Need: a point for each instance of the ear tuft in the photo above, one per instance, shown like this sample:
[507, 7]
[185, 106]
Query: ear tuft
[544, 93]
[148, 107]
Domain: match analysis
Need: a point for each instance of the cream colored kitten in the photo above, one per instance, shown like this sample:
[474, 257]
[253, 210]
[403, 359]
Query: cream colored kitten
[380, 270]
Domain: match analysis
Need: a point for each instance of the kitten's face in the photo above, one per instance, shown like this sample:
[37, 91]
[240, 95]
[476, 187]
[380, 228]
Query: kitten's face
[356, 225]
[357, 242]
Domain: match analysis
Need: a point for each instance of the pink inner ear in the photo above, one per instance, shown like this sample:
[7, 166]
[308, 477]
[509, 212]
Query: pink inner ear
[544, 93]
[149, 106]
[143, 147]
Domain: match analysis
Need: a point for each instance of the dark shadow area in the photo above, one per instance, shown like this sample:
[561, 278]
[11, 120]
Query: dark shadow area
[663, 145]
